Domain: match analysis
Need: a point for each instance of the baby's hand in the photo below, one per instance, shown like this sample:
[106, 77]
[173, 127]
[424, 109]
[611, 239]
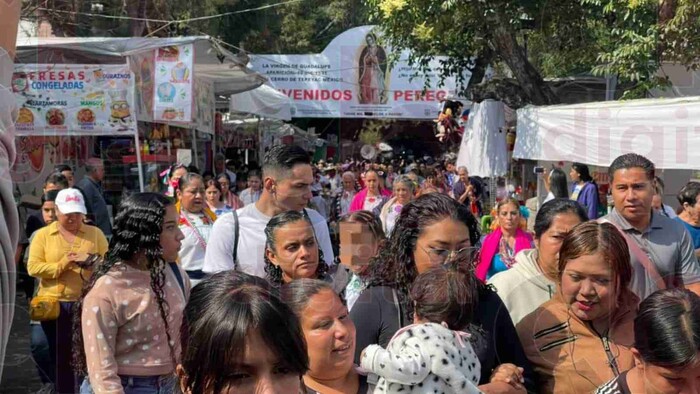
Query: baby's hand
[508, 373]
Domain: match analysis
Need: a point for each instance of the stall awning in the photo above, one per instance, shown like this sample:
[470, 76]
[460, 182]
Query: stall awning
[265, 101]
[228, 71]
[664, 130]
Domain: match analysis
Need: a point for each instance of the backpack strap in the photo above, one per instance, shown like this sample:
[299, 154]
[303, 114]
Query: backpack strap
[643, 258]
[180, 282]
[235, 239]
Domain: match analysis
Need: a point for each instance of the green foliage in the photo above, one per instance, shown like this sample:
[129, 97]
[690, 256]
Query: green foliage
[83, 25]
[301, 27]
[627, 38]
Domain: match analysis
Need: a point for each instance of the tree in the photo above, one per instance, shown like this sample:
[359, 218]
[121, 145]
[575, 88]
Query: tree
[626, 38]
[75, 18]
[473, 34]
[643, 35]
[300, 27]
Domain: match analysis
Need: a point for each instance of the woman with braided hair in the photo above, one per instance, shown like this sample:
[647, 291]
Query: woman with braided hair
[126, 338]
[291, 250]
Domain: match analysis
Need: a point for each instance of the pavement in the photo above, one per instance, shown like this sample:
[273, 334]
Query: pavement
[19, 375]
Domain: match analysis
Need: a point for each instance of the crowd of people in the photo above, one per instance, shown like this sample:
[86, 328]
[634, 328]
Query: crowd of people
[360, 277]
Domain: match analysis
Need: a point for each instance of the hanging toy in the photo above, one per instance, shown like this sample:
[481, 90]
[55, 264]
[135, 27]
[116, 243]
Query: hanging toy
[445, 124]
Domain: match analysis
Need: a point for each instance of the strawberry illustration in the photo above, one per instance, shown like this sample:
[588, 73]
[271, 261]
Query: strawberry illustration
[36, 155]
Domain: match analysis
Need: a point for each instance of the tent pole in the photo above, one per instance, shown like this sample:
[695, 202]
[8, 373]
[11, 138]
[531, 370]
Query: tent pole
[138, 161]
[213, 150]
[194, 147]
[261, 147]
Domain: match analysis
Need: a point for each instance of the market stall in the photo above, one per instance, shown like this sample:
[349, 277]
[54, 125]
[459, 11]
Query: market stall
[138, 99]
[253, 136]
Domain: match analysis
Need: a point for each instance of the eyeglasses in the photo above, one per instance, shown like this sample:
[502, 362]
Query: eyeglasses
[442, 256]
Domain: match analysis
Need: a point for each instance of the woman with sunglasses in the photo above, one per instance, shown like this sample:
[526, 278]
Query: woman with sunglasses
[500, 247]
[433, 230]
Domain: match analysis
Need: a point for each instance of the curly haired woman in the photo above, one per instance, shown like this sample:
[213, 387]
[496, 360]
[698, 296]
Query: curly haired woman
[132, 306]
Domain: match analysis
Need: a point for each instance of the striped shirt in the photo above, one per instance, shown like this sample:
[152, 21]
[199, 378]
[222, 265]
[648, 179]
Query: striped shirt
[617, 385]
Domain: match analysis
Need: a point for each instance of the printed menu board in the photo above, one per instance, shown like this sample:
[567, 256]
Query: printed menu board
[172, 101]
[74, 99]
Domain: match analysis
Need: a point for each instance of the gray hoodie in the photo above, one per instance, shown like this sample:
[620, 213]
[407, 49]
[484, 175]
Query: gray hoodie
[523, 288]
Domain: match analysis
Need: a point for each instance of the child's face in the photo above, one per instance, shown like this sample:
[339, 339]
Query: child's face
[357, 246]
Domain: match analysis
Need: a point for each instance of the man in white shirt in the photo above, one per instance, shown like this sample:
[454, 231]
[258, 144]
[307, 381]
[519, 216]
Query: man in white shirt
[287, 179]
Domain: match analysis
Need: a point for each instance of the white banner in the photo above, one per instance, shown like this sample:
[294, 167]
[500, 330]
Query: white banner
[72, 99]
[351, 78]
[172, 101]
[666, 131]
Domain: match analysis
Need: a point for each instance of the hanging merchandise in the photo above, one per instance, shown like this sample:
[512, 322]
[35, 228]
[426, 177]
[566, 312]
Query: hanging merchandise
[447, 125]
[510, 139]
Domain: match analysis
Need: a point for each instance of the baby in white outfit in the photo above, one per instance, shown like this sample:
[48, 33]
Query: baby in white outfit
[432, 355]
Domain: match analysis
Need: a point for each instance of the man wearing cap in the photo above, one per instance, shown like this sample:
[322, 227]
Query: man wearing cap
[332, 178]
[56, 257]
[91, 186]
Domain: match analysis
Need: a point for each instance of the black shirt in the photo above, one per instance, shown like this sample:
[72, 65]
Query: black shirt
[35, 221]
[364, 388]
[377, 315]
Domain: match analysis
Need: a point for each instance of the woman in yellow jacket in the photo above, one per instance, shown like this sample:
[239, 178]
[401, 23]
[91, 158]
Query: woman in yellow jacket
[57, 257]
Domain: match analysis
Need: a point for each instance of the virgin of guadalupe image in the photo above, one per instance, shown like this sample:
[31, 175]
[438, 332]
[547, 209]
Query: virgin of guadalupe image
[373, 69]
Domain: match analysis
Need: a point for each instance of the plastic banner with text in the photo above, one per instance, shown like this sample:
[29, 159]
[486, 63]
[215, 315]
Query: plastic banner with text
[73, 99]
[666, 131]
[351, 78]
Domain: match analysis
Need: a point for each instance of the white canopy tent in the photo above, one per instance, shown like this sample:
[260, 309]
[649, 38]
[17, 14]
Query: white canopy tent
[264, 101]
[664, 130]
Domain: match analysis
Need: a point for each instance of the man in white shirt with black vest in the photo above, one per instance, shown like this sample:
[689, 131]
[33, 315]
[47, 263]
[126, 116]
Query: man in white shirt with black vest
[287, 179]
